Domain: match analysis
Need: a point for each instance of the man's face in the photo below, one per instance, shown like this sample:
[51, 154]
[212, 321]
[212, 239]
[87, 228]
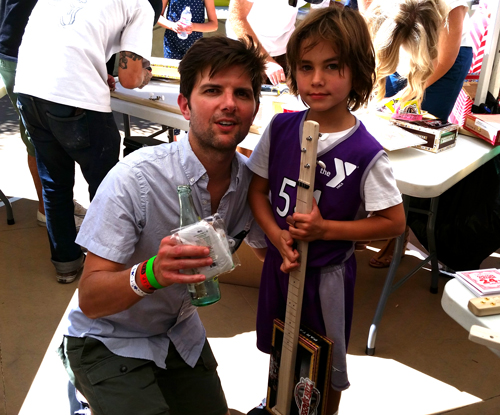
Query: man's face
[221, 109]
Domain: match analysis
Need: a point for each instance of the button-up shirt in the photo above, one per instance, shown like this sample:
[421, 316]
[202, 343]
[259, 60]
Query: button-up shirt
[135, 207]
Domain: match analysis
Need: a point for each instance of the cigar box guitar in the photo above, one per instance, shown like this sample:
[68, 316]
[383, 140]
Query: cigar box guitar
[299, 374]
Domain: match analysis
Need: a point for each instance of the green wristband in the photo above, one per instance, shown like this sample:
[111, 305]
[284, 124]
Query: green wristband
[150, 274]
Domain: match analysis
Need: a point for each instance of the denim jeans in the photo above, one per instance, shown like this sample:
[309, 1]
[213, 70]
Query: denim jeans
[63, 135]
[440, 97]
[8, 75]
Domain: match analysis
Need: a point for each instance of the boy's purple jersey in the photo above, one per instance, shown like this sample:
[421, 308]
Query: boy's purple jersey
[338, 188]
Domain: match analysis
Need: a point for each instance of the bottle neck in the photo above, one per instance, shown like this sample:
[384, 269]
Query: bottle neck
[188, 213]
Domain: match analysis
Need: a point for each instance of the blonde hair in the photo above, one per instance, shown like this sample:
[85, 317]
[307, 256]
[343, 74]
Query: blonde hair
[414, 25]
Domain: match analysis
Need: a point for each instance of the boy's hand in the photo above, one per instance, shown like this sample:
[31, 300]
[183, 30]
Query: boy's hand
[288, 253]
[307, 227]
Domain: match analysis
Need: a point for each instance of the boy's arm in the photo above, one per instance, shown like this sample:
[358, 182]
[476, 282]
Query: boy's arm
[260, 253]
[384, 224]
[261, 208]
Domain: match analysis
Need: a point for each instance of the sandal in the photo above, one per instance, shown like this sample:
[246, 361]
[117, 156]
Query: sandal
[383, 258]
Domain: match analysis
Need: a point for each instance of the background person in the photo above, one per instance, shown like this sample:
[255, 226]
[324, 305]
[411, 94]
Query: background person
[159, 338]
[271, 23]
[430, 40]
[173, 46]
[64, 100]
[424, 52]
[14, 15]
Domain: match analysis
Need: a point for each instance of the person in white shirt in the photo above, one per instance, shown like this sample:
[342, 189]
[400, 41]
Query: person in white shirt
[64, 100]
[271, 23]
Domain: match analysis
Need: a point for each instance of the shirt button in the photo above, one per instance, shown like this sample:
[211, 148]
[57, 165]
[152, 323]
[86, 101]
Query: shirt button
[182, 313]
[123, 369]
[191, 181]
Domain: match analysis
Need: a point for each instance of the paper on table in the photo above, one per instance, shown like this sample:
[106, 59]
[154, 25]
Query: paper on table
[162, 92]
[390, 136]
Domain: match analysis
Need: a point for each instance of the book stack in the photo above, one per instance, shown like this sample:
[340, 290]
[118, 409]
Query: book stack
[482, 282]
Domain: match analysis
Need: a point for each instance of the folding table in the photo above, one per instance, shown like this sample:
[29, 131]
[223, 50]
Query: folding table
[427, 175]
[454, 302]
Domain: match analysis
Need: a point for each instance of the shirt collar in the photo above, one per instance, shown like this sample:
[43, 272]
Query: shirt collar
[194, 170]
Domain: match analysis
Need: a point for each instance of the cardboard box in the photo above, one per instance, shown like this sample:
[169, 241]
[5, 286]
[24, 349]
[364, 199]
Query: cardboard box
[463, 104]
[248, 273]
[485, 126]
[439, 135]
[312, 371]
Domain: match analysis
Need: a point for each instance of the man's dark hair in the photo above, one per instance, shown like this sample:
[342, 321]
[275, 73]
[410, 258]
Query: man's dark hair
[217, 53]
[347, 32]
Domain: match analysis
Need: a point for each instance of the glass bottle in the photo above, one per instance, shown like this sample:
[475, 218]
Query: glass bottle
[206, 292]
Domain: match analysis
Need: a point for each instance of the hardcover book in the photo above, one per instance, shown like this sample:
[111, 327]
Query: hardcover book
[312, 371]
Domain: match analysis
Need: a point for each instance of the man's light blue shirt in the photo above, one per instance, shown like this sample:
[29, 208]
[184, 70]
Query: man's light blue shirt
[135, 207]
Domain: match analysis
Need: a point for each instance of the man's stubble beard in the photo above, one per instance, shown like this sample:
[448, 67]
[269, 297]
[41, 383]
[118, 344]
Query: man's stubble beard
[208, 140]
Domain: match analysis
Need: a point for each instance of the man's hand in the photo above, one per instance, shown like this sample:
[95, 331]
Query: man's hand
[307, 227]
[275, 72]
[111, 83]
[172, 258]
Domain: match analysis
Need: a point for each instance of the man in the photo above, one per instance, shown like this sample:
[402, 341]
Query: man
[64, 99]
[14, 15]
[135, 353]
[271, 23]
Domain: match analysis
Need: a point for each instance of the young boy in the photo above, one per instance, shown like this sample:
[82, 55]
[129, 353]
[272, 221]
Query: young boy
[332, 68]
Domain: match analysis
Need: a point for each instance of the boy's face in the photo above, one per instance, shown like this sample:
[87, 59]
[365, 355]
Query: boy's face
[221, 109]
[319, 81]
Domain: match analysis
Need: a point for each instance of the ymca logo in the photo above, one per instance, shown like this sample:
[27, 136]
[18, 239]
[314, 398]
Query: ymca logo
[343, 169]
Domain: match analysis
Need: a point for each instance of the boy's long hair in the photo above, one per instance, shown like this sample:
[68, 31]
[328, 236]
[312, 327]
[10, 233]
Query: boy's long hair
[414, 25]
[217, 53]
[346, 31]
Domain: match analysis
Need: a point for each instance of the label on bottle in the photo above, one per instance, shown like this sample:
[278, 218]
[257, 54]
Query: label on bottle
[203, 234]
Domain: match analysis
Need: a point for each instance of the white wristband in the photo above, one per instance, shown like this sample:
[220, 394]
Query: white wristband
[134, 285]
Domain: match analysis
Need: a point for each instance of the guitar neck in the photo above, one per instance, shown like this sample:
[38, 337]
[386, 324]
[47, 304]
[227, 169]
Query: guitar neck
[305, 190]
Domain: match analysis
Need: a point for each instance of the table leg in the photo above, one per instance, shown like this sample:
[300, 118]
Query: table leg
[431, 240]
[388, 286]
[126, 125]
[8, 206]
